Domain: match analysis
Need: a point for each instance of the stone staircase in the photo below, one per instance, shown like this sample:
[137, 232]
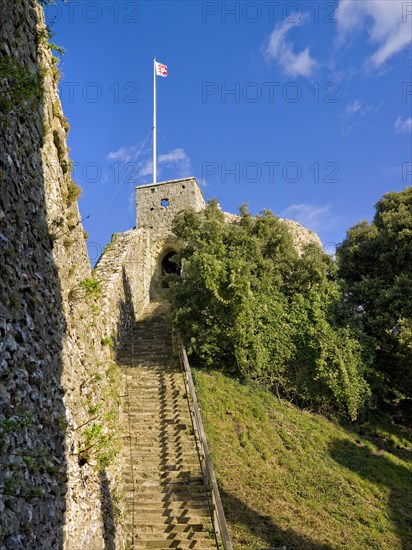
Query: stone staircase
[166, 500]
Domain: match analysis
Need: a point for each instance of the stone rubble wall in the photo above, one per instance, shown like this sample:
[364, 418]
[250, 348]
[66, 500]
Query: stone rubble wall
[53, 366]
[124, 273]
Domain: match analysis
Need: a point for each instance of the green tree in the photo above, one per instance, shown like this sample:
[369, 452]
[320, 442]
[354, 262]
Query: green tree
[375, 261]
[249, 304]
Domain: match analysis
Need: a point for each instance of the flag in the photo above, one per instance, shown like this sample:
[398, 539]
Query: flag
[161, 70]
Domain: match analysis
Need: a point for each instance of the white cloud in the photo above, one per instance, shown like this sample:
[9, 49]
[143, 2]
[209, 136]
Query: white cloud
[176, 160]
[403, 126]
[357, 107]
[281, 50]
[386, 23]
[146, 168]
[353, 107]
[311, 216]
[125, 154]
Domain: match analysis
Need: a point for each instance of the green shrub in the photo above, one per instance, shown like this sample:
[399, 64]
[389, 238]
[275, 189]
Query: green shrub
[375, 264]
[249, 304]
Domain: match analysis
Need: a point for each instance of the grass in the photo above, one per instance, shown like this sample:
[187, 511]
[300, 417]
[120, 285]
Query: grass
[290, 477]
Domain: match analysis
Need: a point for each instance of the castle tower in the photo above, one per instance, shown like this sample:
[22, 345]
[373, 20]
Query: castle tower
[157, 205]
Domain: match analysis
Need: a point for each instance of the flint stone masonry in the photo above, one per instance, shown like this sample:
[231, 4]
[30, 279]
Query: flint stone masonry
[52, 362]
[33, 473]
[124, 273]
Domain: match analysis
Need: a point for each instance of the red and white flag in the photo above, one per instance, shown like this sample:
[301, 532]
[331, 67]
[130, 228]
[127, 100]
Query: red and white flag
[161, 70]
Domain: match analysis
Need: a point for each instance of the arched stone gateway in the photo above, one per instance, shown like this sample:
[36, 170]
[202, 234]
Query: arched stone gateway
[168, 267]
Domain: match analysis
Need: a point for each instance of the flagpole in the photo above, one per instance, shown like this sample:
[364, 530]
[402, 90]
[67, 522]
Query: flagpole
[154, 121]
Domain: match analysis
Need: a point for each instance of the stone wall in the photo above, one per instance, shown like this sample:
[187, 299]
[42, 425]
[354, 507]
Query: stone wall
[33, 475]
[57, 488]
[124, 273]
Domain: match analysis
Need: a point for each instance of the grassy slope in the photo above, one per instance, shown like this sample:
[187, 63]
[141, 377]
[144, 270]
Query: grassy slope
[290, 477]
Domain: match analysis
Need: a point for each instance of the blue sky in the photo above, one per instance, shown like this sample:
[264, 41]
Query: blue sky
[304, 108]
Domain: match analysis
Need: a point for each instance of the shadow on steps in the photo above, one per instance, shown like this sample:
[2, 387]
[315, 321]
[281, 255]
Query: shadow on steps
[166, 500]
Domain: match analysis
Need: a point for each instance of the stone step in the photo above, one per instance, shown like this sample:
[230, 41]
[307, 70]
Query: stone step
[158, 470]
[177, 543]
[161, 434]
[153, 499]
[160, 467]
[179, 539]
[193, 526]
[172, 508]
[160, 544]
[160, 444]
[170, 436]
[148, 389]
[168, 410]
[163, 439]
[145, 480]
[160, 463]
[166, 481]
[192, 489]
[162, 517]
[155, 414]
[159, 425]
[171, 473]
[135, 456]
[145, 389]
[145, 459]
[146, 525]
[154, 401]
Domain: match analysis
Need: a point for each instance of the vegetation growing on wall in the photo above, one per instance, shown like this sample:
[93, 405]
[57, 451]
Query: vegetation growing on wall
[21, 88]
[74, 192]
[100, 437]
[248, 304]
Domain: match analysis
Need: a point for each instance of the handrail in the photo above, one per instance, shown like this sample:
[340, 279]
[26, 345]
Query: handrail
[219, 520]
